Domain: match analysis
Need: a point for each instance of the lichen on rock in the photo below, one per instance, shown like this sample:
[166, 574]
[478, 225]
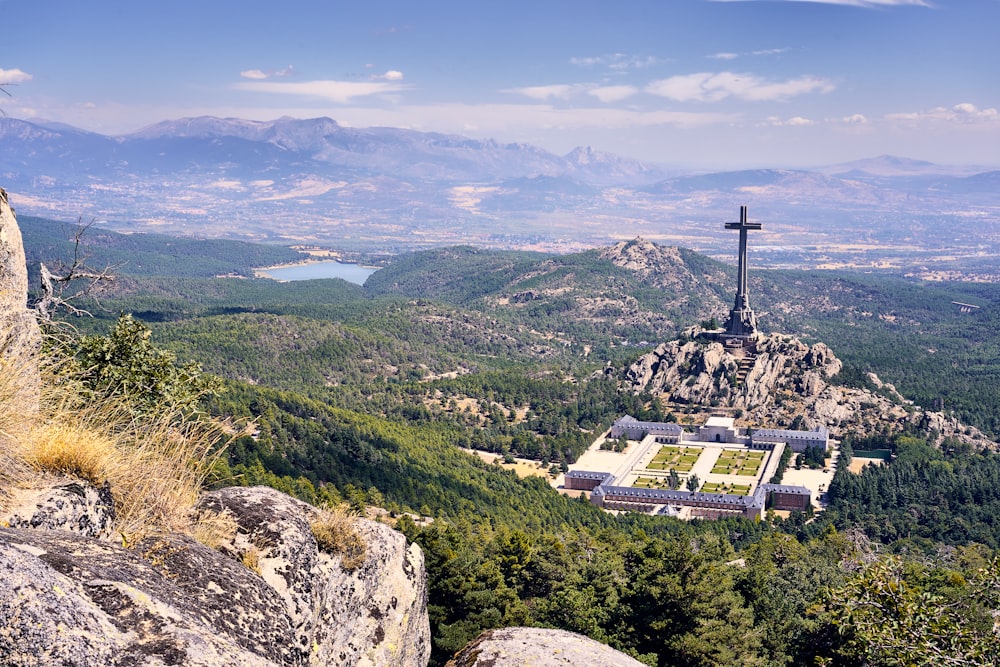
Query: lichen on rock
[73, 599]
[538, 647]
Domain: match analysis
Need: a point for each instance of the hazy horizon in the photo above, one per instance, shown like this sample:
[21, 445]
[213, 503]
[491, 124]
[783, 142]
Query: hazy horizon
[694, 83]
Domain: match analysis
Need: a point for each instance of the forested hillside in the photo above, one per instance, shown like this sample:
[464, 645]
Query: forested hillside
[366, 394]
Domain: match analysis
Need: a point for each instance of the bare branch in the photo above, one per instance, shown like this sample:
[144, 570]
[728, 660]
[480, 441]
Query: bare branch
[54, 286]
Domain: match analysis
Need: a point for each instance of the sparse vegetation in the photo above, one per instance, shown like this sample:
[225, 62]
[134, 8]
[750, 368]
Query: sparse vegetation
[251, 559]
[155, 462]
[336, 533]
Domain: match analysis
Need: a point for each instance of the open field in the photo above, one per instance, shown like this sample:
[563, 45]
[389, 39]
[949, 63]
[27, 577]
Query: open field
[858, 463]
[522, 467]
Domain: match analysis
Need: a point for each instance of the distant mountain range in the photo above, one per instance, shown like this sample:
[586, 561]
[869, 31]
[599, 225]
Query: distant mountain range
[389, 189]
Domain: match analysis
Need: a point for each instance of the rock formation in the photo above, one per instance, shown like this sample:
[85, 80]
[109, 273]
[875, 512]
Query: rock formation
[664, 268]
[19, 335]
[783, 380]
[71, 599]
[538, 647]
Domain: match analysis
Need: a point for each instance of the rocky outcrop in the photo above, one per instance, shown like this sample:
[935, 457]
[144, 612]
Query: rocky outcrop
[72, 506]
[703, 372]
[538, 647]
[661, 266]
[779, 382]
[71, 599]
[374, 615]
[20, 339]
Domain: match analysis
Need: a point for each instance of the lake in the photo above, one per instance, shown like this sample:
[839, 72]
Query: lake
[352, 273]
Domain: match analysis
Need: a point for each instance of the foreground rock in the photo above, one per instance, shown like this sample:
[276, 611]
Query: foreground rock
[20, 338]
[70, 599]
[373, 615]
[538, 647]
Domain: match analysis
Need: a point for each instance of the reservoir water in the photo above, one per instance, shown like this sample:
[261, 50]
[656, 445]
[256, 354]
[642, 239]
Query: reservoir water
[352, 273]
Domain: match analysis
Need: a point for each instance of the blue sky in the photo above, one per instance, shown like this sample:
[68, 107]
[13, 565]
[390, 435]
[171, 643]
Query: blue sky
[720, 84]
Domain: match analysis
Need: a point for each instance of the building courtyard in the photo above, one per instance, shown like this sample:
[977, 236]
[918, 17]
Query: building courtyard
[715, 470]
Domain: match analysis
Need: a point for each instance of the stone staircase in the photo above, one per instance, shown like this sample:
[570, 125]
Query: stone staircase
[746, 363]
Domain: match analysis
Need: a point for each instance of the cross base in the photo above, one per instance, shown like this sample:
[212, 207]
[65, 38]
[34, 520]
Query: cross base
[742, 322]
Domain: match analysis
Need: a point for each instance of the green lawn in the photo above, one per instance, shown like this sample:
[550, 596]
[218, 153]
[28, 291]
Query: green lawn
[737, 462]
[681, 459]
[720, 487]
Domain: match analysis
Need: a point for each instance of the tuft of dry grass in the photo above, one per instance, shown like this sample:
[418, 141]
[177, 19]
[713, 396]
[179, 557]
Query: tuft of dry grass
[336, 533]
[214, 529]
[251, 559]
[155, 465]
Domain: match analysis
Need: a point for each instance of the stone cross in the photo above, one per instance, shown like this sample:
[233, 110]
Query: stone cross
[742, 321]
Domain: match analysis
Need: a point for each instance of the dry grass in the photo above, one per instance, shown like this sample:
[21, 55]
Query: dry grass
[155, 467]
[251, 559]
[336, 533]
[214, 529]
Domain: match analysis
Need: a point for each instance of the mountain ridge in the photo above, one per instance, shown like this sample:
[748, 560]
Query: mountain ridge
[389, 190]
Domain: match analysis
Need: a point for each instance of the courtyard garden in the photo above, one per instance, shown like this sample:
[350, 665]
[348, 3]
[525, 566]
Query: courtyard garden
[739, 462]
[681, 459]
[723, 487]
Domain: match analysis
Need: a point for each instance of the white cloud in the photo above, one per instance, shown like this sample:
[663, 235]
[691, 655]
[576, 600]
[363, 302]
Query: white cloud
[390, 75]
[770, 52]
[714, 87]
[795, 121]
[260, 75]
[854, 119]
[964, 113]
[726, 55]
[609, 94]
[12, 76]
[559, 91]
[340, 92]
[616, 61]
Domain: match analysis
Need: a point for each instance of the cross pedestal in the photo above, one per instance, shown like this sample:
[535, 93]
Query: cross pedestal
[742, 322]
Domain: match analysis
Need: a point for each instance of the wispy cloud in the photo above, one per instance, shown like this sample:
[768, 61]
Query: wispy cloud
[12, 76]
[615, 61]
[854, 119]
[608, 94]
[770, 52]
[390, 75]
[795, 121]
[566, 91]
[261, 75]
[727, 55]
[851, 3]
[717, 86]
[340, 92]
[965, 113]
[559, 91]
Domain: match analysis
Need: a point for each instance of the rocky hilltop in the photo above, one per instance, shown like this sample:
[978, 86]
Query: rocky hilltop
[663, 267]
[780, 381]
